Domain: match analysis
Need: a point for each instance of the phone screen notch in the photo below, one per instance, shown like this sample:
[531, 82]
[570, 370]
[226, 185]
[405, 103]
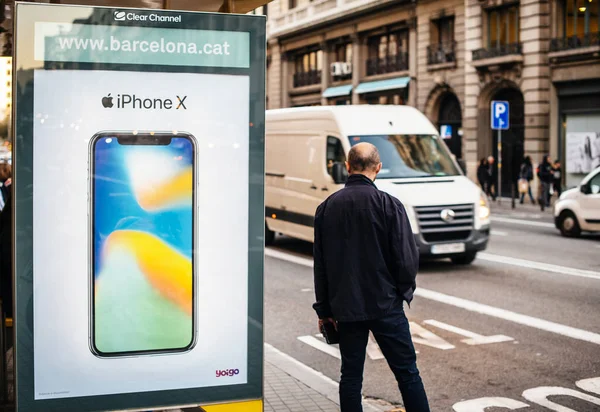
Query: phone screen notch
[145, 139]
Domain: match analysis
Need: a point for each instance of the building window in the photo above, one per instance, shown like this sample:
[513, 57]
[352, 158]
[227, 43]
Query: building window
[388, 53]
[580, 25]
[341, 67]
[343, 53]
[502, 33]
[442, 47]
[308, 68]
[582, 18]
[292, 4]
[503, 27]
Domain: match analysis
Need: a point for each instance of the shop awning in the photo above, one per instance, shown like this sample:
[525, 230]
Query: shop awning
[382, 85]
[337, 91]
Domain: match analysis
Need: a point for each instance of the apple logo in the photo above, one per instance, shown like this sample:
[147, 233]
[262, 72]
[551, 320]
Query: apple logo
[107, 101]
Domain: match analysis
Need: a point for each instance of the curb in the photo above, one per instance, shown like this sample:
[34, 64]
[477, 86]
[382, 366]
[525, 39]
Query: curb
[318, 381]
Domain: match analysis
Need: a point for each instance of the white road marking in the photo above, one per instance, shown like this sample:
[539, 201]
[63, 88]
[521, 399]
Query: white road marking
[320, 345]
[306, 290]
[373, 350]
[546, 267]
[522, 222]
[424, 337]
[480, 404]
[589, 385]
[531, 321]
[540, 396]
[288, 257]
[473, 338]
[498, 233]
[488, 257]
[492, 311]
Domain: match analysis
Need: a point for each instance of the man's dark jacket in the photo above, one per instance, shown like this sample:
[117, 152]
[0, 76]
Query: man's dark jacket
[366, 259]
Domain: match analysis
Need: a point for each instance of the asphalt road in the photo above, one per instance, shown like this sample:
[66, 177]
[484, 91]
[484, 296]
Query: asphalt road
[519, 327]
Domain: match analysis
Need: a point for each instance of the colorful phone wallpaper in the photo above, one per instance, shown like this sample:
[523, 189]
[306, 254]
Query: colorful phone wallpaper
[142, 246]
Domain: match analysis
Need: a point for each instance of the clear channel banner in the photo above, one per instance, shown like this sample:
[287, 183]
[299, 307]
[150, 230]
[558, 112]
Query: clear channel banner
[138, 158]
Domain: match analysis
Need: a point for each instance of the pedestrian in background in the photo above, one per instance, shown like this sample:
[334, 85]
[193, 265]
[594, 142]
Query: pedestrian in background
[482, 174]
[557, 177]
[492, 187]
[5, 179]
[525, 178]
[365, 266]
[6, 290]
[546, 176]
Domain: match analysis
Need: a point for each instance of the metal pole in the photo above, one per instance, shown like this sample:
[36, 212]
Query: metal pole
[499, 187]
[512, 192]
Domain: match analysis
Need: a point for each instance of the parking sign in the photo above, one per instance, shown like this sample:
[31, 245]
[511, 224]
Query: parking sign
[500, 115]
[446, 131]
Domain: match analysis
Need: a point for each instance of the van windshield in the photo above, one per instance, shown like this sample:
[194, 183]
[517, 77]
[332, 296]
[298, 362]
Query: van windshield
[406, 156]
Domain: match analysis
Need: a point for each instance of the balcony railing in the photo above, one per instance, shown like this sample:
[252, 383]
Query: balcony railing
[497, 51]
[574, 42]
[309, 78]
[388, 64]
[441, 53]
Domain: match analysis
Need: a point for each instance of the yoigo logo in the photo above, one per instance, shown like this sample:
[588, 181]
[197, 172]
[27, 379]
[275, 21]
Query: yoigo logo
[132, 101]
[119, 15]
[227, 372]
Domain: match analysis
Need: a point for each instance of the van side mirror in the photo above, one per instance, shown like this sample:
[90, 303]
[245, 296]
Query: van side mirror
[463, 165]
[339, 173]
[584, 189]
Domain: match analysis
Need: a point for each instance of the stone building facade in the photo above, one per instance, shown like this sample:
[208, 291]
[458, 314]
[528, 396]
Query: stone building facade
[450, 59]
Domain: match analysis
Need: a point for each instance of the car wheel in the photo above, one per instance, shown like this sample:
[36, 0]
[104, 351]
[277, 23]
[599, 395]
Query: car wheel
[269, 236]
[568, 224]
[465, 259]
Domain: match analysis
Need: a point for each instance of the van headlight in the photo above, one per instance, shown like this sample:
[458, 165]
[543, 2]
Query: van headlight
[484, 207]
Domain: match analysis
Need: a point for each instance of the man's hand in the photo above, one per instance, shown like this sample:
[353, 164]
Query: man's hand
[327, 320]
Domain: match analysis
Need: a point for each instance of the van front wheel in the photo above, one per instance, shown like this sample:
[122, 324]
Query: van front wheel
[465, 259]
[269, 236]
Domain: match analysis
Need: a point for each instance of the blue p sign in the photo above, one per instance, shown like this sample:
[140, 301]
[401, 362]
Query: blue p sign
[500, 115]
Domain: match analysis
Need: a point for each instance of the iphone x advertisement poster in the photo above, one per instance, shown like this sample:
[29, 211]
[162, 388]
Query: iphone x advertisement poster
[140, 214]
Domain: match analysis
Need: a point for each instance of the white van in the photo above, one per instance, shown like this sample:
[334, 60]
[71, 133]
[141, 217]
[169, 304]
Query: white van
[578, 209]
[305, 153]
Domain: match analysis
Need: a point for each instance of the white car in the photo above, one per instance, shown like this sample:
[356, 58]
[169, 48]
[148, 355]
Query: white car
[578, 209]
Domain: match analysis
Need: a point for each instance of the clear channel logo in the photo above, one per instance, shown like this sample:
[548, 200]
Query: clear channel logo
[132, 101]
[119, 15]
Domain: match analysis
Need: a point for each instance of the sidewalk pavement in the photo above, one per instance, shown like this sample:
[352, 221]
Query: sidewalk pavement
[503, 207]
[283, 393]
[291, 386]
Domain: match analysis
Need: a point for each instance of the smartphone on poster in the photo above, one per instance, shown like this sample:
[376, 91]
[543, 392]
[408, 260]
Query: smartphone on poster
[142, 203]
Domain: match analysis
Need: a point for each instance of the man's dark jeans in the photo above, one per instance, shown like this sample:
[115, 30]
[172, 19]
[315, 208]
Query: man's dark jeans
[393, 336]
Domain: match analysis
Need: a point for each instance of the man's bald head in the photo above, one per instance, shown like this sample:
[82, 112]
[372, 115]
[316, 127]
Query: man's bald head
[364, 158]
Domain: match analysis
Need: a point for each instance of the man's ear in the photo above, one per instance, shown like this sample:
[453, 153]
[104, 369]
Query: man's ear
[347, 167]
[378, 168]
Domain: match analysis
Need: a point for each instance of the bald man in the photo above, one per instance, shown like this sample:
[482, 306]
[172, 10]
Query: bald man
[366, 262]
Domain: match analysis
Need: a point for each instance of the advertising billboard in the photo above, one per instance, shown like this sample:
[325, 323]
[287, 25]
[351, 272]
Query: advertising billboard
[139, 157]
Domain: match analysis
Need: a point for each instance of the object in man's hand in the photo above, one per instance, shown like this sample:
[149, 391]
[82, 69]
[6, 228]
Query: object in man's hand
[330, 333]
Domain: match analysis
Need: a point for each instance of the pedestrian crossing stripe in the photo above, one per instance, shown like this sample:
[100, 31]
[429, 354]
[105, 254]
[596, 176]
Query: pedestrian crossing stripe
[249, 406]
